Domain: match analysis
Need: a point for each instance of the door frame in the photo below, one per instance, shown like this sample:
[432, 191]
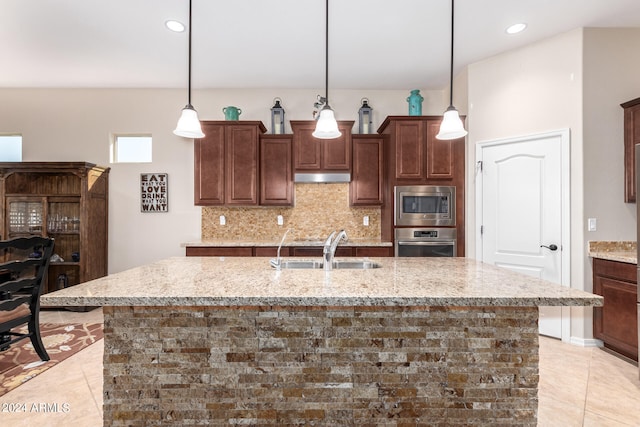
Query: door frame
[565, 214]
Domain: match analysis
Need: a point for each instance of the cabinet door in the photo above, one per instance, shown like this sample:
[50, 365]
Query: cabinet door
[25, 216]
[336, 153]
[616, 323]
[366, 183]
[307, 149]
[209, 166]
[242, 165]
[440, 154]
[276, 180]
[631, 138]
[410, 149]
[313, 154]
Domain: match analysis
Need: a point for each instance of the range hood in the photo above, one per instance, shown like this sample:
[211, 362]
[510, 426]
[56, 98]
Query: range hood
[322, 177]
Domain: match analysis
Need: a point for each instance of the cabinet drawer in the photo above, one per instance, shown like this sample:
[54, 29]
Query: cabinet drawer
[219, 251]
[316, 251]
[271, 251]
[372, 251]
[615, 269]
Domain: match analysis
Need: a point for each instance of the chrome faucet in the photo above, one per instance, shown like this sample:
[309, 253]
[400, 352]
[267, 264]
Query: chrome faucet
[277, 262]
[330, 246]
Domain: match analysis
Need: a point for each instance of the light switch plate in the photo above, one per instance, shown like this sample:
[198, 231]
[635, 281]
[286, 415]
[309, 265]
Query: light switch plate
[280, 220]
[592, 224]
[365, 220]
[223, 220]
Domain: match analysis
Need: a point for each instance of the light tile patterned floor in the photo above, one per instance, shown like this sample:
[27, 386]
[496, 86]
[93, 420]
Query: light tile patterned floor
[578, 387]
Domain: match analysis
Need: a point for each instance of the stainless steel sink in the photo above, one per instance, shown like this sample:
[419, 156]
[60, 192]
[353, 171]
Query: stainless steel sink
[315, 264]
[299, 263]
[355, 264]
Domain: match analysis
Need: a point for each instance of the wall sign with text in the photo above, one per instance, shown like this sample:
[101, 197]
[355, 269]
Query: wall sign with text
[154, 192]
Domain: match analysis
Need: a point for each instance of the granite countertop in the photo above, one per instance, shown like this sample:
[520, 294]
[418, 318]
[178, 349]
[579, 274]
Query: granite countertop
[621, 251]
[250, 281]
[305, 242]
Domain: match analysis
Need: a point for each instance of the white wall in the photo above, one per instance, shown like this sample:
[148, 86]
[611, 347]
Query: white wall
[611, 64]
[76, 124]
[532, 90]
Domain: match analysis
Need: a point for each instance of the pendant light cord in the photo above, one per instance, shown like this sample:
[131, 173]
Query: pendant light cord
[326, 55]
[189, 78]
[451, 68]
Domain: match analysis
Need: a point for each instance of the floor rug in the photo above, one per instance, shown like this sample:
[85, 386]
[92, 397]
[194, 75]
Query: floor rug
[21, 363]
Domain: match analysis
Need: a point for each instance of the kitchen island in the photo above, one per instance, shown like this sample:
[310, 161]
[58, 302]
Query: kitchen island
[223, 341]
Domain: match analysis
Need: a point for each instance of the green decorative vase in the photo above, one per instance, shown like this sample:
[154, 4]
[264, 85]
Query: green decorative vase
[415, 103]
[231, 113]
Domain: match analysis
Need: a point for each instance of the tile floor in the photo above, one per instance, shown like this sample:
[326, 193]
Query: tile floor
[578, 387]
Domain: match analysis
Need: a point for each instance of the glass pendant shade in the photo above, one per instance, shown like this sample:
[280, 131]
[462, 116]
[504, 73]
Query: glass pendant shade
[451, 126]
[188, 124]
[326, 126]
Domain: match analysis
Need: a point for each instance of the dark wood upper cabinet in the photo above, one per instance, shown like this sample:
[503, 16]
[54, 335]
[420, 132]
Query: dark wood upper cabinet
[276, 176]
[226, 163]
[366, 184]
[242, 165]
[409, 138]
[631, 138]
[209, 166]
[440, 154]
[420, 158]
[314, 155]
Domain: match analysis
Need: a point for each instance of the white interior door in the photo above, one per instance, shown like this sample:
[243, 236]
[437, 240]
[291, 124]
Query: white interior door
[521, 210]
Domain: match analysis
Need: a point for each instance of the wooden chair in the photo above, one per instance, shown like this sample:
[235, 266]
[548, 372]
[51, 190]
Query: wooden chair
[24, 266]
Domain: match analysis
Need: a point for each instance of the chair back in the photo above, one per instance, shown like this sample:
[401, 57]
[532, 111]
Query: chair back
[24, 267]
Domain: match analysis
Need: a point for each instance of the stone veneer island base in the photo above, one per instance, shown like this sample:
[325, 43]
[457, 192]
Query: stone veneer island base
[208, 341]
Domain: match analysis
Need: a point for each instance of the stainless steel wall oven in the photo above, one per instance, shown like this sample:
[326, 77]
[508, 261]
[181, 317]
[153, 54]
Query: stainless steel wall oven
[425, 242]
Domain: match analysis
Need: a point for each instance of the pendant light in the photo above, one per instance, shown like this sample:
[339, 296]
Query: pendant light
[188, 124]
[451, 126]
[326, 126]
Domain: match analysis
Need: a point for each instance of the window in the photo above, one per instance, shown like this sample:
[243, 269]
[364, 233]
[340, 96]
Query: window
[131, 149]
[10, 148]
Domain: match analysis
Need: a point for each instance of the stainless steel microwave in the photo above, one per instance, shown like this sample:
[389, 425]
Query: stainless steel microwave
[425, 205]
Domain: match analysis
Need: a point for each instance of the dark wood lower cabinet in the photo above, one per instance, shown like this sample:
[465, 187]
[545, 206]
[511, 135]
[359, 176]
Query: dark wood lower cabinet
[616, 323]
[219, 251]
[298, 251]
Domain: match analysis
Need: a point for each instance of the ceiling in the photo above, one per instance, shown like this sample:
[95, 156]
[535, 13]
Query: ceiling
[373, 44]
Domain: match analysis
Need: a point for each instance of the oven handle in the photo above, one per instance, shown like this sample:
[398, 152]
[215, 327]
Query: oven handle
[431, 243]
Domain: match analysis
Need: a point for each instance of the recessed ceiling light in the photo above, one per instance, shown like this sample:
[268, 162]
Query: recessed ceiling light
[516, 28]
[176, 26]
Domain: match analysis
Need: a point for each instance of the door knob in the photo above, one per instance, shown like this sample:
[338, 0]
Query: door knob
[551, 247]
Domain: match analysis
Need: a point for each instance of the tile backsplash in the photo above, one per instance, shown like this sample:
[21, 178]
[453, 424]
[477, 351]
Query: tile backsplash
[319, 209]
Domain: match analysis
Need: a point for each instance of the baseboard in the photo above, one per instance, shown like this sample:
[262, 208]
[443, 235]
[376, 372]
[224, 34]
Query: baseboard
[586, 342]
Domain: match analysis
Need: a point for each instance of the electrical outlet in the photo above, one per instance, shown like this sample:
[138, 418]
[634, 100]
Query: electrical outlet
[365, 220]
[280, 220]
[223, 220]
[592, 224]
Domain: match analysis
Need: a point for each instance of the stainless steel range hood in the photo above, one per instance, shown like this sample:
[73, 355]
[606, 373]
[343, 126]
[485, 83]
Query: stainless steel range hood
[323, 177]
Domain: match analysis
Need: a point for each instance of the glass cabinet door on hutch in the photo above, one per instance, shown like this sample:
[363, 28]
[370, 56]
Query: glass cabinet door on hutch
[63, 200]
